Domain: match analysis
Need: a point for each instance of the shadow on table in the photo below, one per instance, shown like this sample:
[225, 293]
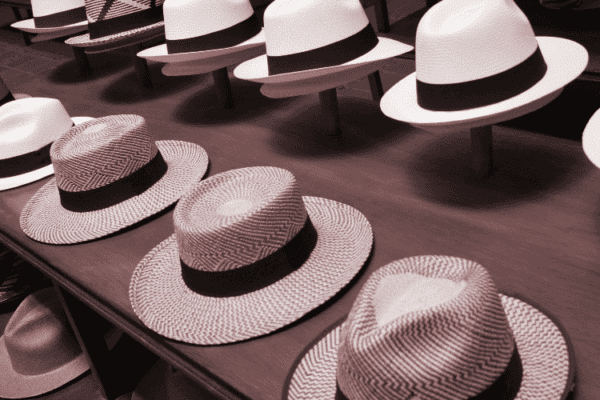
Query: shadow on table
[363, 128]
[102, 65]
[441, 172]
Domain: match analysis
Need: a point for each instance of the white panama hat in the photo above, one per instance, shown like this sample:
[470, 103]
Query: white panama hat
[311, 38]
[51, 16]
[28, 127]
[435, 327]
[203, 29]
[479, 60]
[590, 139]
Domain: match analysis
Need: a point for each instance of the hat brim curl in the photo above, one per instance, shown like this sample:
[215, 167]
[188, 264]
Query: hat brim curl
[164, 303]
[28, 25]
[257, 70]
[44, 218]
[546, 357]
[12, 182]
[160, 54]
[565, 58]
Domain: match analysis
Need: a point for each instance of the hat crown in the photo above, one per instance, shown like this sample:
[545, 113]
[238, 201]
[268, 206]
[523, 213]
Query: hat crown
[238, 217]
[293, 26]
[40, 8]
[101, 151]
[27, 125]
[192, 18]
[465, 40]
[38, 337]
[457, 343]
[104, 9]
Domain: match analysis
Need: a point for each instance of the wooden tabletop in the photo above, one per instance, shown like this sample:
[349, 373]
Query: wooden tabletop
[534, 224]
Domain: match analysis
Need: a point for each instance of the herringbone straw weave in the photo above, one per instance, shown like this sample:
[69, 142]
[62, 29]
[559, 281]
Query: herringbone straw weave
[428, 353]
[233, 219]
[95, 154]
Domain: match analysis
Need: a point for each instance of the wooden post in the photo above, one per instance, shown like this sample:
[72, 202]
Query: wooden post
[331, 110]
[85, 71]
[223, 87]
[141, 67]
[376, 86]
[481, 151]
[382, 16]
[18, 16]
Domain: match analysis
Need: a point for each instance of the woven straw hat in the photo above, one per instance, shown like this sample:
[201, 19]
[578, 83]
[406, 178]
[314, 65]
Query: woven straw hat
[249, 255]
[591, 139]
[54, 16]
[315, 38]
[110, 174]
[435, 327]
[202, 29]
[115, 20]
[28, 127]
[480, 62]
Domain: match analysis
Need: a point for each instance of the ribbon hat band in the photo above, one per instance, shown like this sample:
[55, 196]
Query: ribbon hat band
[62, 18]
[123, 23]
[333, 54]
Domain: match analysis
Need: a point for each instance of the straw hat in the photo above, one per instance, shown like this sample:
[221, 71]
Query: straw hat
[115, 20]
[479, 61]
[249, 255]
[38, 351]
[435, 327]
[201, 29]
[314, 38]
[54, 16]
[590, 139]
[110, 174]
[28, 127]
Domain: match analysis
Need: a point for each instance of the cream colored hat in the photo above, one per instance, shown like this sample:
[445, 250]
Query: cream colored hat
[53, 16]
[28, 127]
[590, 139]
[201, 29]
[477, 60]
[435, 327]
[311, 38]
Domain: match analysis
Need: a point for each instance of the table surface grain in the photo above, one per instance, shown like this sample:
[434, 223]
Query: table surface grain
[534, 224]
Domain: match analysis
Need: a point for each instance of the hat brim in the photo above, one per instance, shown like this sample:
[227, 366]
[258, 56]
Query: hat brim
[164, 303]
[12, 182]
[545, 351]
[28, 25]
[565, 58]
[160, 54]
[85, 41]
[591, 139]
[257, 70]
[15, 386]
[44, 219]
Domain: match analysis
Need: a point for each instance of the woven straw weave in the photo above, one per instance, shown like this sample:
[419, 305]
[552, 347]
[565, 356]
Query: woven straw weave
[101, 151]
[452, 350]
[238, 217]
[99, 10]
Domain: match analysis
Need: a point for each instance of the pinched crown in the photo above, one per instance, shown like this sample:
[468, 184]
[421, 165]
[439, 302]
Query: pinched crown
[101, 151]
[27, 125]
[450, 339]
[293, 26]
[238, 217]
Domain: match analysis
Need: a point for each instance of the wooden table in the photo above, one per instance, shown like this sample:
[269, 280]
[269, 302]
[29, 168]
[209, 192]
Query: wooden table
[534, 224]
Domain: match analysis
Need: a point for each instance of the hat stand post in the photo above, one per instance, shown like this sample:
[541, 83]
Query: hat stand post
[83, 64]
[331, 110]
[481, 151]
[141, 67]
[223, 86]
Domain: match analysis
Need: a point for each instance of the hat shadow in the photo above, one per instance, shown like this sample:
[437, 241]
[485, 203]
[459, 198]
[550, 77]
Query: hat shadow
[101, 66]
[308, 132]
[441, 172]
[203, 107]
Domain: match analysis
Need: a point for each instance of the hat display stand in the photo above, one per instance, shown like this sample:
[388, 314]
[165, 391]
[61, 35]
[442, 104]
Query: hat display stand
[455, 88]
[318, 46]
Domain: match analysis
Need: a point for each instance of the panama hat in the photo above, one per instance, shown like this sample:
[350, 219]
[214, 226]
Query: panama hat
[54, 16]
[314, 38]
[38, 351]
[28, 127]
[435, 327]
[249, 255]
[480, 62]
[109, 174]
[111, 21]
[590, 139]
[201, 29]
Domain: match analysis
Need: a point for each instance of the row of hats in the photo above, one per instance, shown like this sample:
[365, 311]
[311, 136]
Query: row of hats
[474, 58]
[250, 254]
